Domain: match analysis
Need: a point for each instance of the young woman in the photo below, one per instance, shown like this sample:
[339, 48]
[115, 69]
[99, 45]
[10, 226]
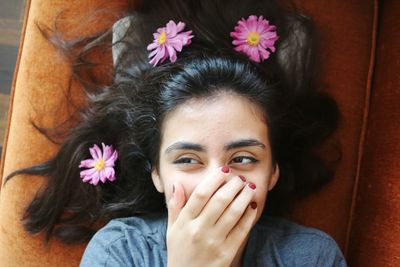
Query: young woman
[211, 109]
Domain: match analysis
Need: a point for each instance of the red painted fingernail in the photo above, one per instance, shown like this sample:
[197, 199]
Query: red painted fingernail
[251, 185]
[225, 169]
[253, 205]
[242, 177]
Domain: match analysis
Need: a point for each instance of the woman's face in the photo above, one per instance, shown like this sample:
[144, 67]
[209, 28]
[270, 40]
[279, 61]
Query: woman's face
[202, 135]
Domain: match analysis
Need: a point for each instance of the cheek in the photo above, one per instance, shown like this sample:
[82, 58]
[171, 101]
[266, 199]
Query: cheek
[261, 197]
[261, 193]
[170, 176]
[261, 181]
[188, 184]
[260, 208]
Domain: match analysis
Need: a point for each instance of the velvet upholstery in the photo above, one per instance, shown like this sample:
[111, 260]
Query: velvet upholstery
[375, 232]
[357, 50]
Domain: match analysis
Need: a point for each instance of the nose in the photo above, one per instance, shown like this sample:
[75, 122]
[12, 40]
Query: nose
[229, 173]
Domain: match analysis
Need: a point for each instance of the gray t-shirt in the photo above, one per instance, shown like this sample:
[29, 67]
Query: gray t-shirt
[141, 241]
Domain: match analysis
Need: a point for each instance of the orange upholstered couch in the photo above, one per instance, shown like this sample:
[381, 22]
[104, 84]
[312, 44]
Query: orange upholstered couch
[359, 58]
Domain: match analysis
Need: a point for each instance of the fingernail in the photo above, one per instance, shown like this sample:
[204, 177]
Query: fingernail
[225, 169]
[251, 185]
[253, 205]
[242, 177]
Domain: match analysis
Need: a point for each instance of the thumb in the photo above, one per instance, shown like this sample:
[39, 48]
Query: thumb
[176, 202]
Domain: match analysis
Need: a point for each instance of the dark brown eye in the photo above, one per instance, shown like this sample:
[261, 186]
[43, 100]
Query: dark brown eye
[186, 160]
[244, 160]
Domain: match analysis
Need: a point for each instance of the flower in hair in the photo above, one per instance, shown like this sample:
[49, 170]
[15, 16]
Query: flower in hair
[100, 166]
[255, 37]
[167, 41]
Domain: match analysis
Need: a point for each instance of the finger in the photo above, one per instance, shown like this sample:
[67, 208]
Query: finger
[180, 196]
[242, 229]
[203, 192]
[176, 202]
[221, 200]
[234, 212]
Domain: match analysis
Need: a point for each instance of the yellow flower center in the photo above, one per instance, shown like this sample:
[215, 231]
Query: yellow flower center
[253, 38]
[162, 38]
[99, 165]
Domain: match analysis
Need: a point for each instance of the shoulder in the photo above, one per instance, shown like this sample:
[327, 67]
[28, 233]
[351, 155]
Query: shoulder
[130, 240]
[147, 225]
[287, 233]
[294, 244]
[149, 229]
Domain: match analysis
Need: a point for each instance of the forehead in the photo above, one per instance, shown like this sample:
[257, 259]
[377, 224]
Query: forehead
[223, 116]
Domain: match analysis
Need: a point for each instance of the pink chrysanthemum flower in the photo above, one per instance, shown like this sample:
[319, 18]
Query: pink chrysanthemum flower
[167, 41]
[101, 165]
[254, 37]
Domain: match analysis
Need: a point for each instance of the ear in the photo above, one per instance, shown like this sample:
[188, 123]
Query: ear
[157, 180]
[274, 178]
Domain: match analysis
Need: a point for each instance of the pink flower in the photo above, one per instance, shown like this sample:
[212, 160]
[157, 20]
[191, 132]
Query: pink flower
[101, 165]
[254, 37]
[167, 41]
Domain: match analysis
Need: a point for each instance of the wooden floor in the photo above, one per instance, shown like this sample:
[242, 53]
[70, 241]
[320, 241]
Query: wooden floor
[11, 18]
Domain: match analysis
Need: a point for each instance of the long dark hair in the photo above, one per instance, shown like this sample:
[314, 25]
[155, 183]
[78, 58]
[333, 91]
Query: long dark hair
[128, 113]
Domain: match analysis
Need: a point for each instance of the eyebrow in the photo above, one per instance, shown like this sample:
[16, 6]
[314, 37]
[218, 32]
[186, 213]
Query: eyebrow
[185, 146]
[244, 143]
[196, 147]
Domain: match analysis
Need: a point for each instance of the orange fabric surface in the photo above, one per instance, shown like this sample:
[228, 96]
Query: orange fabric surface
[375, 238]
[344, 33]
[37, 94]
[346, 53]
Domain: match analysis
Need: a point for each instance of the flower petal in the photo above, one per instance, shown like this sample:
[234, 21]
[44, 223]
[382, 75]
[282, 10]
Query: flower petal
[186, 35]
[91, 178]
[166, 54]
[88, 172]
[241, 35]
[240, 48]
[102, 176]
[152, 46]
[159, 31]
[95, 179]
[261, 24]
[171, 29]
[268, 44]
[109, 173]
[97, 152]
[172, 53]
[87, 163]
[264, 53]
[111, 160]
[242, 26]
[107, 151]
[181, 25]
[87, 179]
[159, 56]
[252, 23]
[177, 44]
[155, 51]
[254, 54]
[239, 42]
